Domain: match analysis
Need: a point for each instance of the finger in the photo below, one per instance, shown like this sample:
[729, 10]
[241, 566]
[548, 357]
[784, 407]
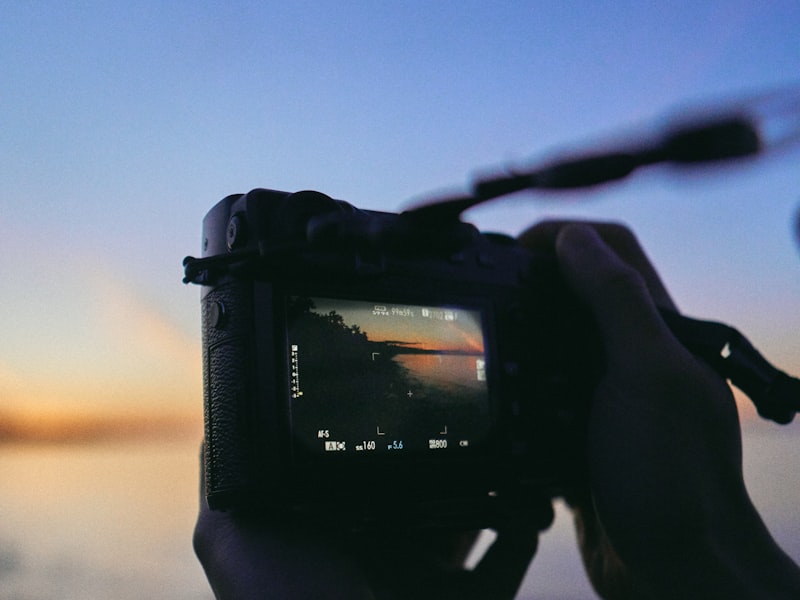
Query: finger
[542, 238]
[607, 573]
[615, 292]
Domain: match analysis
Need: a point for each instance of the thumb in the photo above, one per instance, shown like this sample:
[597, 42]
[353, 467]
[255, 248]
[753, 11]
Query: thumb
[615, 292]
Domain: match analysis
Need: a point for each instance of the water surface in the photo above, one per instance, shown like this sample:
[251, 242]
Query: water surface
[93, 522]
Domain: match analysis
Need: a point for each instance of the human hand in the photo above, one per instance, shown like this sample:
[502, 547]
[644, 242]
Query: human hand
[248, 557]
[666, 514]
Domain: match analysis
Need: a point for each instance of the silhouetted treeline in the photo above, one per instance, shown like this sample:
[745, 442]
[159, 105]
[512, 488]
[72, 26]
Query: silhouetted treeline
[339, 364]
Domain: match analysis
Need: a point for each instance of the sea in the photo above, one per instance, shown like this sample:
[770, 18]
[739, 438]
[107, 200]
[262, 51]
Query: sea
[114, 520]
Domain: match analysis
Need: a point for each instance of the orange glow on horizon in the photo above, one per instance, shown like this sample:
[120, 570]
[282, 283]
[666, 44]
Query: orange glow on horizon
[62, 426]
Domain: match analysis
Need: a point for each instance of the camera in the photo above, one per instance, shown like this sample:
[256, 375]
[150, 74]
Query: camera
[368, 367]
[365, 367]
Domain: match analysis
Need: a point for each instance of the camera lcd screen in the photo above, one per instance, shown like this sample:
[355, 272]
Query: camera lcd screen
[370, 378]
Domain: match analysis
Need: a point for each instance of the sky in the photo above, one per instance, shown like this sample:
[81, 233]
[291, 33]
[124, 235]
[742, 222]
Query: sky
[121, 124]
[452, 328]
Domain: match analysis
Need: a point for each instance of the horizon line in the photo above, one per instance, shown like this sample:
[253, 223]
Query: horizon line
[76, 428]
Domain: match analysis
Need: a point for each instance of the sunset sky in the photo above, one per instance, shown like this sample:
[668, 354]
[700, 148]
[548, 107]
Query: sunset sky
[123, 123]
[424, 328]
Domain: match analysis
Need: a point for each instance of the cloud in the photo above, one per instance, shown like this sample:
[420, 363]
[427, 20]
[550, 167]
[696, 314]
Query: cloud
[84, 338]
[22, 392]
[140, 328]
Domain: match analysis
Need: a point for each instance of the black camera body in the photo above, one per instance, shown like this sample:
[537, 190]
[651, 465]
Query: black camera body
[367, 367]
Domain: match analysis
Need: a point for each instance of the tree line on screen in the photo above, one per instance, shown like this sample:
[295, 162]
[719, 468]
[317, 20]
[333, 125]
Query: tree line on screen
[329, 335]
[339, 361]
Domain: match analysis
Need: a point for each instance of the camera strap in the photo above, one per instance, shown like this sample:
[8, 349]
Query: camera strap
[775, 394]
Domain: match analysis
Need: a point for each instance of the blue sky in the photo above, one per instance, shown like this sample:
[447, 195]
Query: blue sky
[122, 123]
